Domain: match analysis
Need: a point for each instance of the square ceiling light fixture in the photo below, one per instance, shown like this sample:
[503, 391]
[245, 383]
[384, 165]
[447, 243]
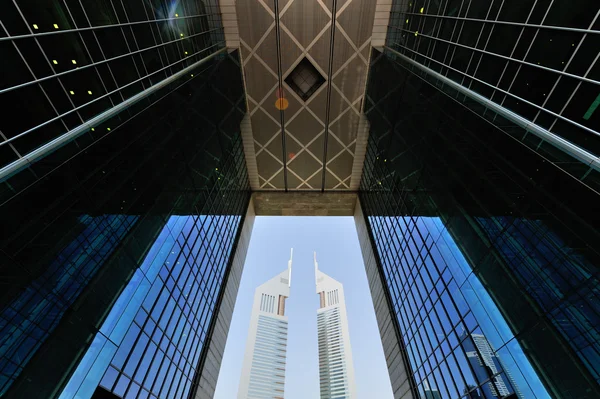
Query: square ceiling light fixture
[305, 79]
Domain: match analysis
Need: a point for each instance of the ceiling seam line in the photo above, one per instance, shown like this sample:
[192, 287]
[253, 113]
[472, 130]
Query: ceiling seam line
[329, 84]
[280, 94]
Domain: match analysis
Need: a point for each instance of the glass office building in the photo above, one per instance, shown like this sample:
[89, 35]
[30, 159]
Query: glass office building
[117, 242]
[488, 268]
[139, 139]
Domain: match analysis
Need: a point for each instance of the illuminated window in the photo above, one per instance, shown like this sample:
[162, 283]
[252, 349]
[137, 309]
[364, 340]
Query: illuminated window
[35, 26]
[55, 26]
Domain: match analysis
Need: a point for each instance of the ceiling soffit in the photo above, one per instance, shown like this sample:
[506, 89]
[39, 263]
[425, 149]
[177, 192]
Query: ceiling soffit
[305, 30]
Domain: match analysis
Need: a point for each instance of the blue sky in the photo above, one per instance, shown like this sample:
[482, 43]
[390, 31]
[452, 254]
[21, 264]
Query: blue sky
[338, 253]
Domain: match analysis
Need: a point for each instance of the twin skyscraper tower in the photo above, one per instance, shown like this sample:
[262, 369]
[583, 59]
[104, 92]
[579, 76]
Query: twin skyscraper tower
[263, 371]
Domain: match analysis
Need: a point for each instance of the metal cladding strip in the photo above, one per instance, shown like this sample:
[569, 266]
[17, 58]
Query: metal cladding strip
[329, 83]
[280, 93]
[562, 144]
[35, 155]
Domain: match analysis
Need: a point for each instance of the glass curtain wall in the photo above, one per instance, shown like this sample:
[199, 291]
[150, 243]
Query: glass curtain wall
[536, 58]
[115, 247]
[65, 63]
[489, 252]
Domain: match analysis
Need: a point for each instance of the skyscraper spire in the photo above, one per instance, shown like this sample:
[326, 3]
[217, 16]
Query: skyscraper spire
[290, 267]
[335, 351]
[263, 372]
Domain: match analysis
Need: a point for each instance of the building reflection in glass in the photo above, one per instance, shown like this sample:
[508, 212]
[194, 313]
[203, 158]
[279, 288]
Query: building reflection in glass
[563, 283]
[457, 341]
[151, 341]
[28, 320]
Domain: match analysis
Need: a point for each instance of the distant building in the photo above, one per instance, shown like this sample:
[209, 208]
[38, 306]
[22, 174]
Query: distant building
[431, 393]
[486, 363]
[263, 371]
[336, 370]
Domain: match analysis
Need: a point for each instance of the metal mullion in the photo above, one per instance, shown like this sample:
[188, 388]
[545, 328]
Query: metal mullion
[423, 19]
[91, 28]
[452, 34]
[134, 39]
[479, 37]
[11, 146]
[126, 43]
[87, 50]
[47, 60]
[527, 53]
[566, 66]
[551, 27]
[88, 66]
[595, 82]
[459, 34]
[160, 34]
[84, 105]
[100, 48]
[438, 26]
[439, 29]
[151, 24]
[513, 50]
[40, 86]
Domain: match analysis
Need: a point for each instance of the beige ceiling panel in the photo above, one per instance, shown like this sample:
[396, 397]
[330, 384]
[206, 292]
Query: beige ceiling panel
[304, 127]
[305, 19]
[258, 80]
[292, 181]
[333, 147]
[263, 128]
[269, 106]
[318, 103]
[267, 165]
[292, 147]
[337, 105]
[277, 180]
[267, 50]
[357, 20]
[293, 104]
[255, 22]
[351, 79]
[304, 165]
[331, 181]
[316, 180]
[366, 52]
[341, 165]
[290, 54]
[320, 52]
[271, 4]
[342, 50]
[346, 128]
[316, 147]
[275, 147]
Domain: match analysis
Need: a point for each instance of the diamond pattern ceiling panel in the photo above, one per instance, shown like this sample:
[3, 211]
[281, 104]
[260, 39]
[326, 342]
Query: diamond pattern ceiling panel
[305, 33]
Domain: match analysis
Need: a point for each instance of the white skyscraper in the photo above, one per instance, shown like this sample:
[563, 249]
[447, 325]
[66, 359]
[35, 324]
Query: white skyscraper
[336, 370]
[263, 371]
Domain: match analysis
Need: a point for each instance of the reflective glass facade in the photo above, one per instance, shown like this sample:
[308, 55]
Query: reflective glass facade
[536, 58]
[115, 247]
[65, 63]
[487, 250]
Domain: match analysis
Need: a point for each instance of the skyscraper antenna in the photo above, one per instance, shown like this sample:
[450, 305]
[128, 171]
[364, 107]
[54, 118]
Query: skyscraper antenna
[290, 268]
